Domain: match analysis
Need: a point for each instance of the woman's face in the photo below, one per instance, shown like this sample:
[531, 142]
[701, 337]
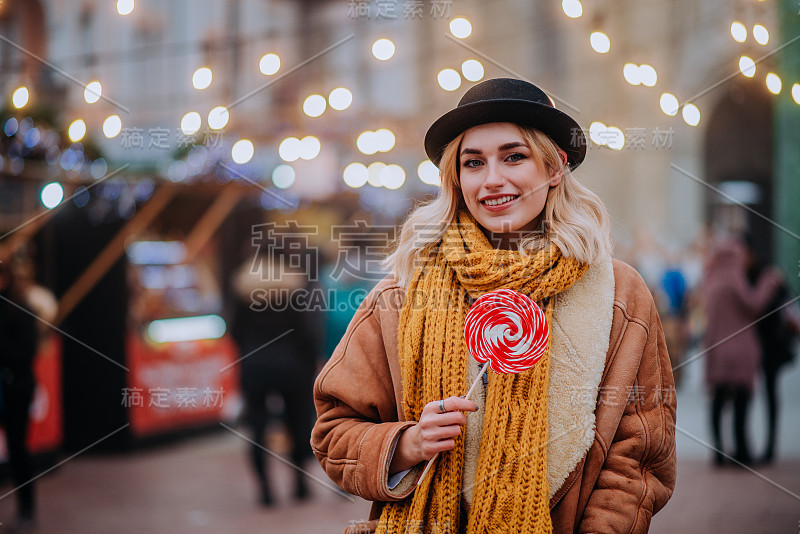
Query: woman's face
[504, 188]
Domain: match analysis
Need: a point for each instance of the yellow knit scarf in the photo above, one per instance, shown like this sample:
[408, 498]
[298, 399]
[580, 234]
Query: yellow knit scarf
[511, 493]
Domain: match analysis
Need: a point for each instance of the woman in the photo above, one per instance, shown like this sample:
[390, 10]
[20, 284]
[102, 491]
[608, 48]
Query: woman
[733, 356]
[584, 441]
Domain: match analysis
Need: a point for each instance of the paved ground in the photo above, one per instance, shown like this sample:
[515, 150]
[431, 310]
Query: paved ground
[202, 486]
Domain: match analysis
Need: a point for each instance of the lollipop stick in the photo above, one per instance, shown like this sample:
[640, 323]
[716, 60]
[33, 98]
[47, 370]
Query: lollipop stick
[467, 396]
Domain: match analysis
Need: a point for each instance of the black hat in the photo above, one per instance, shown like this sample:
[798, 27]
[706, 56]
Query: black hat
[507, 100]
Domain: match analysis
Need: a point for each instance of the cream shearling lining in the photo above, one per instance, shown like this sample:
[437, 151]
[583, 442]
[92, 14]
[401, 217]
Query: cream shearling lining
[576, 368]
[577, 361]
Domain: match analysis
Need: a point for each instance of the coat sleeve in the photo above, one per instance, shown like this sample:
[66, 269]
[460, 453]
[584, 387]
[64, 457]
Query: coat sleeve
[638, 474]
[357, 423]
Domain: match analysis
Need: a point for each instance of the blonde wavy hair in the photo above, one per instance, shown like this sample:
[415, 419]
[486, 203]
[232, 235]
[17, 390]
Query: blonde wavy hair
[574, 218]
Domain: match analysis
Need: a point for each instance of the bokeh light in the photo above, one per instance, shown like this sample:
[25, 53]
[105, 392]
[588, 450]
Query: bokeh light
[314, 105]
[669, 104]
[202, 77]
[691, 115]
[460, 27]
[218, 117]
[760, 34]
[112, 126]
[747, 66]
[190, 123]
[76, 130]
[309, 147]
[428, 173]
[92, 92]
[473, 70]
[393, 176]
[648, 75]
[290, 149]
[572, 8]
[738, 31]
[355, 175]
[242, 151]
[632, 73]
[125, 7]
[52, 195]
[383, 49]
[774, 83]
[600, 42]
[283, 176]
[269, 64]
[340, 98]
[449, 79]
[374, 173]
[20, 97]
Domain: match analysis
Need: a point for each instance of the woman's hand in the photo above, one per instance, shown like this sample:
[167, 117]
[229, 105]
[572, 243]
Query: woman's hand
[434, 433]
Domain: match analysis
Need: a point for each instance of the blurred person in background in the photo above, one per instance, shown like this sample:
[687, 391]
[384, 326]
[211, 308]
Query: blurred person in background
[734, 352]
[777, 335]
[280, 345]
[18, 341]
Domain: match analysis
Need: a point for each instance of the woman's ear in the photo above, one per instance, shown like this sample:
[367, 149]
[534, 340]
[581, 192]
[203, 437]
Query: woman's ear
[555, 178]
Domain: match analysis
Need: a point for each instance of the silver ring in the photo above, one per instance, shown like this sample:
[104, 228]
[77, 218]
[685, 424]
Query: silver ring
[441, 406]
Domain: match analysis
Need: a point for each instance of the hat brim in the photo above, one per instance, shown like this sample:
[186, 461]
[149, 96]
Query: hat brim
[566, 133]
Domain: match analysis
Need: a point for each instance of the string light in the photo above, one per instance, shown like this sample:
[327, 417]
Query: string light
[309, 147]
[691, 115]
[383, 49]
[461, 27]
[52, 195]
[747, 66]
[218, 117]
[600, 42]
[20, 97]
[76, 130]
[112, 126]
[449, 79]
[738, 31]
[92, 92]
[355, 175]
[392, 176]
[290, 149]
[428, 173]
[472, 69]
[314, 105]
[242, 151]
[669, 104]
[796, 92]
[760, 34]
[374, 173]
[125, 7]
[572, 8]
[774, 83]
[283, 176]
[269, 64]
[201, 78]
[340, 98]
[190, 123]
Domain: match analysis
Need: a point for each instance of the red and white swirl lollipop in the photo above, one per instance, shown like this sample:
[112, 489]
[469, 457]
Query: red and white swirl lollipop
[505, 330]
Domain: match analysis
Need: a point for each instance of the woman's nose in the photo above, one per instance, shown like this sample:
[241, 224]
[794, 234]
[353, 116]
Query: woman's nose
[494, 176]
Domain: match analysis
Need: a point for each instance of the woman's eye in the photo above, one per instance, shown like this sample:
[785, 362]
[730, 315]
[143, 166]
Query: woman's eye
[516, 156]
[471, 163]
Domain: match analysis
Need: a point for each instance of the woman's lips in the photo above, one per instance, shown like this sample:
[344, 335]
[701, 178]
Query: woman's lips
[499, 203]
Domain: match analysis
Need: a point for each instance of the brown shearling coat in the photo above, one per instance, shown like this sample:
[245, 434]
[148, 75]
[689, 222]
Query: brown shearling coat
[628, 472]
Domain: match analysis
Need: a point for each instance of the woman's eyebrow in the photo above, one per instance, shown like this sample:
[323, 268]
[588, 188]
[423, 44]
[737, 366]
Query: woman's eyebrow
[501, 148]
[513, 144]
